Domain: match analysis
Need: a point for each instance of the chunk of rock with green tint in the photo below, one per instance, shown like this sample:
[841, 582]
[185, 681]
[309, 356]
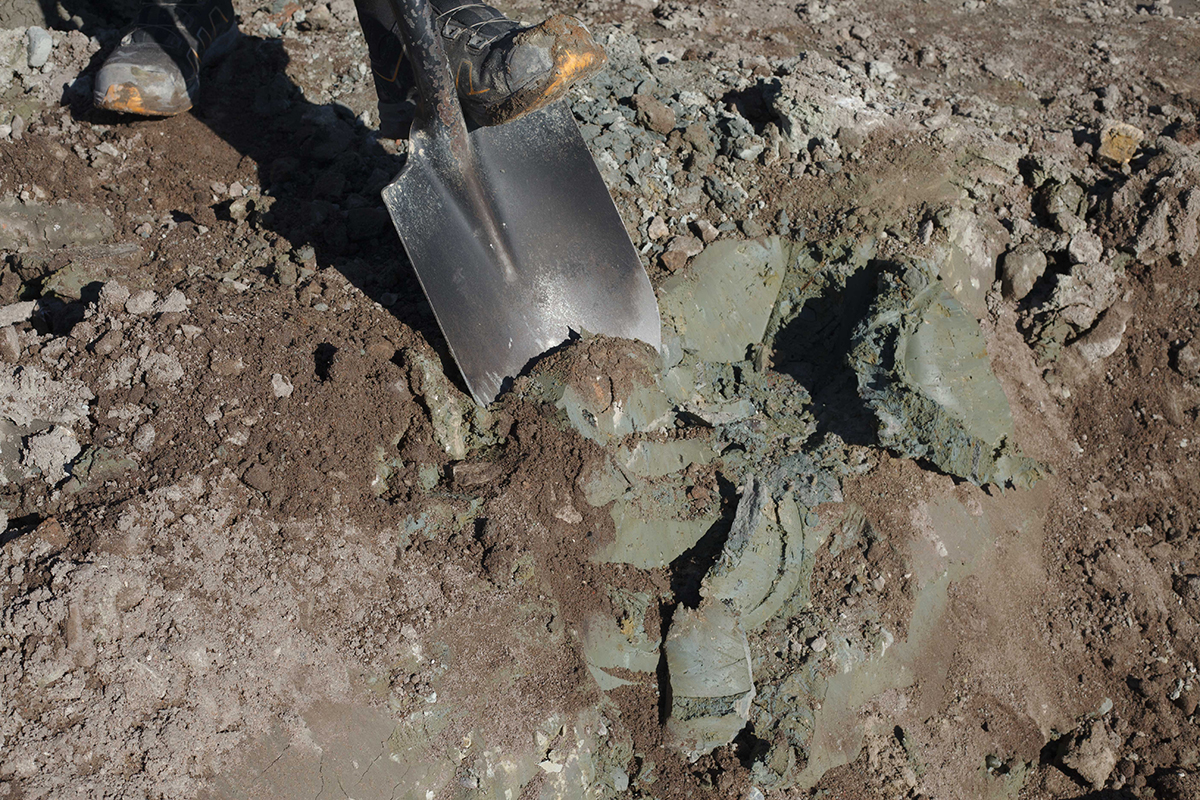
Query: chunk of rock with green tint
[763, 560]
[654, 519]
[923, 368]
[24, 225]
[612, 646]
[712, 686]
[653, 525]
[90, 265]
[722, 305]
[459, 425]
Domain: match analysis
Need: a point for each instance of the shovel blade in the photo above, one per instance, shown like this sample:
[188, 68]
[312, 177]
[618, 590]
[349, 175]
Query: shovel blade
[518, 245]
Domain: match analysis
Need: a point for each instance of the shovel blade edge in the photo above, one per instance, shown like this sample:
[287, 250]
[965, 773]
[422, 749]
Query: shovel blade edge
[519, 248]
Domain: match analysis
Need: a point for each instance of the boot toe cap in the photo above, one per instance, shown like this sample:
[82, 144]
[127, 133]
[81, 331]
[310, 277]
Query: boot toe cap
[135, 85]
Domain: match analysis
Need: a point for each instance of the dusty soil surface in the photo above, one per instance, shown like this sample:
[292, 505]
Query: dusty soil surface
[256, 540]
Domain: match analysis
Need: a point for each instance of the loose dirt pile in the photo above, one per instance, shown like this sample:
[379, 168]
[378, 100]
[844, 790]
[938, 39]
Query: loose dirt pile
[906, 507]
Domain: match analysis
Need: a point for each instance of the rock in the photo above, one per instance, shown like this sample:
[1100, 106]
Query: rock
[968, 268]
[161, 369]
[1020, 270]
[17, 312]
[1104, 339]
[712, 685]
[476, 473]
[723, 305]
[729, 197]
[1094, 346]
[653, 114]
[688, 245]
[674, 260]
[697, 136]
[1085, 248]
[1119, 142]
[49, 452]
[881, 71]
[627, 646]
[1080, 295]
[29, 394]
[1092, 754]
[451, 413]
[10, 344]
[92, 264]
[1187, 361]
[143, 439]
[760, 566]
[923, 369]
[113, 296]
[281, 386]
[107, 343]
[174, 303]
[64, 223]
[1173, 225]
[1062, 197]
[239, 209]
[286, 274]
[38, 47]
[708, 232]
[658, 229]
[141, 303]
[1110, 97]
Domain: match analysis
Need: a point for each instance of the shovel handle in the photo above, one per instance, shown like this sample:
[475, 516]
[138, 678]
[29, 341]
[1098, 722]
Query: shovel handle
[439, 97]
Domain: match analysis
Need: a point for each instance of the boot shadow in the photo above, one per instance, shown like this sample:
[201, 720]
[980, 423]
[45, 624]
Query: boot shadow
[319, 169]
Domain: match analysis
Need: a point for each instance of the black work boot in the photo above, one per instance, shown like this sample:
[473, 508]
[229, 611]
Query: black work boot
[155, 70]
[501, 69]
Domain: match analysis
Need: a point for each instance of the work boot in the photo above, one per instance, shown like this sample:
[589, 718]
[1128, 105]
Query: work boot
[502, 70]
[155, 70]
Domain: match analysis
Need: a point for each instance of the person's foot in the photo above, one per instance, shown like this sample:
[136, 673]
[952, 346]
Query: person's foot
[502, 71]
[155, 70]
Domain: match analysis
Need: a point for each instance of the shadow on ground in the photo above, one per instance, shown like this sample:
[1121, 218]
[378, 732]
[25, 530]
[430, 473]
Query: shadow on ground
[813, 348]
[320, 170]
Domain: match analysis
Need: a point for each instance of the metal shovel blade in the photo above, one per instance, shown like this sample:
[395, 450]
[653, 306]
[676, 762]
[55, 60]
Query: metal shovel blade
[517, 243]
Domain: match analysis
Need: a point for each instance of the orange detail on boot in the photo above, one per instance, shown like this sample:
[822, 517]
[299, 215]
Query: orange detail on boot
[126, 98]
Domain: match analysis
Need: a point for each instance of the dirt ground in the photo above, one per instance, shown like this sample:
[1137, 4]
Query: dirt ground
[256, 540]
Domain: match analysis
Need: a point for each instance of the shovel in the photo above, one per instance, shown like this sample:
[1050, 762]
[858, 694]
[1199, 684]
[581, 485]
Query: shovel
[510, 228]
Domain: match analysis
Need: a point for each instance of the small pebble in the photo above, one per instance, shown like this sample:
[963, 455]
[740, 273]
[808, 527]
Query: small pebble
[281, 386]
[658, 229]
[1020, 270]
[818, 644]
[143, 440]
[10, 346]
[1119, 142]
[141, 303]
[1187, 361]
[38, 46]
[708, 232]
